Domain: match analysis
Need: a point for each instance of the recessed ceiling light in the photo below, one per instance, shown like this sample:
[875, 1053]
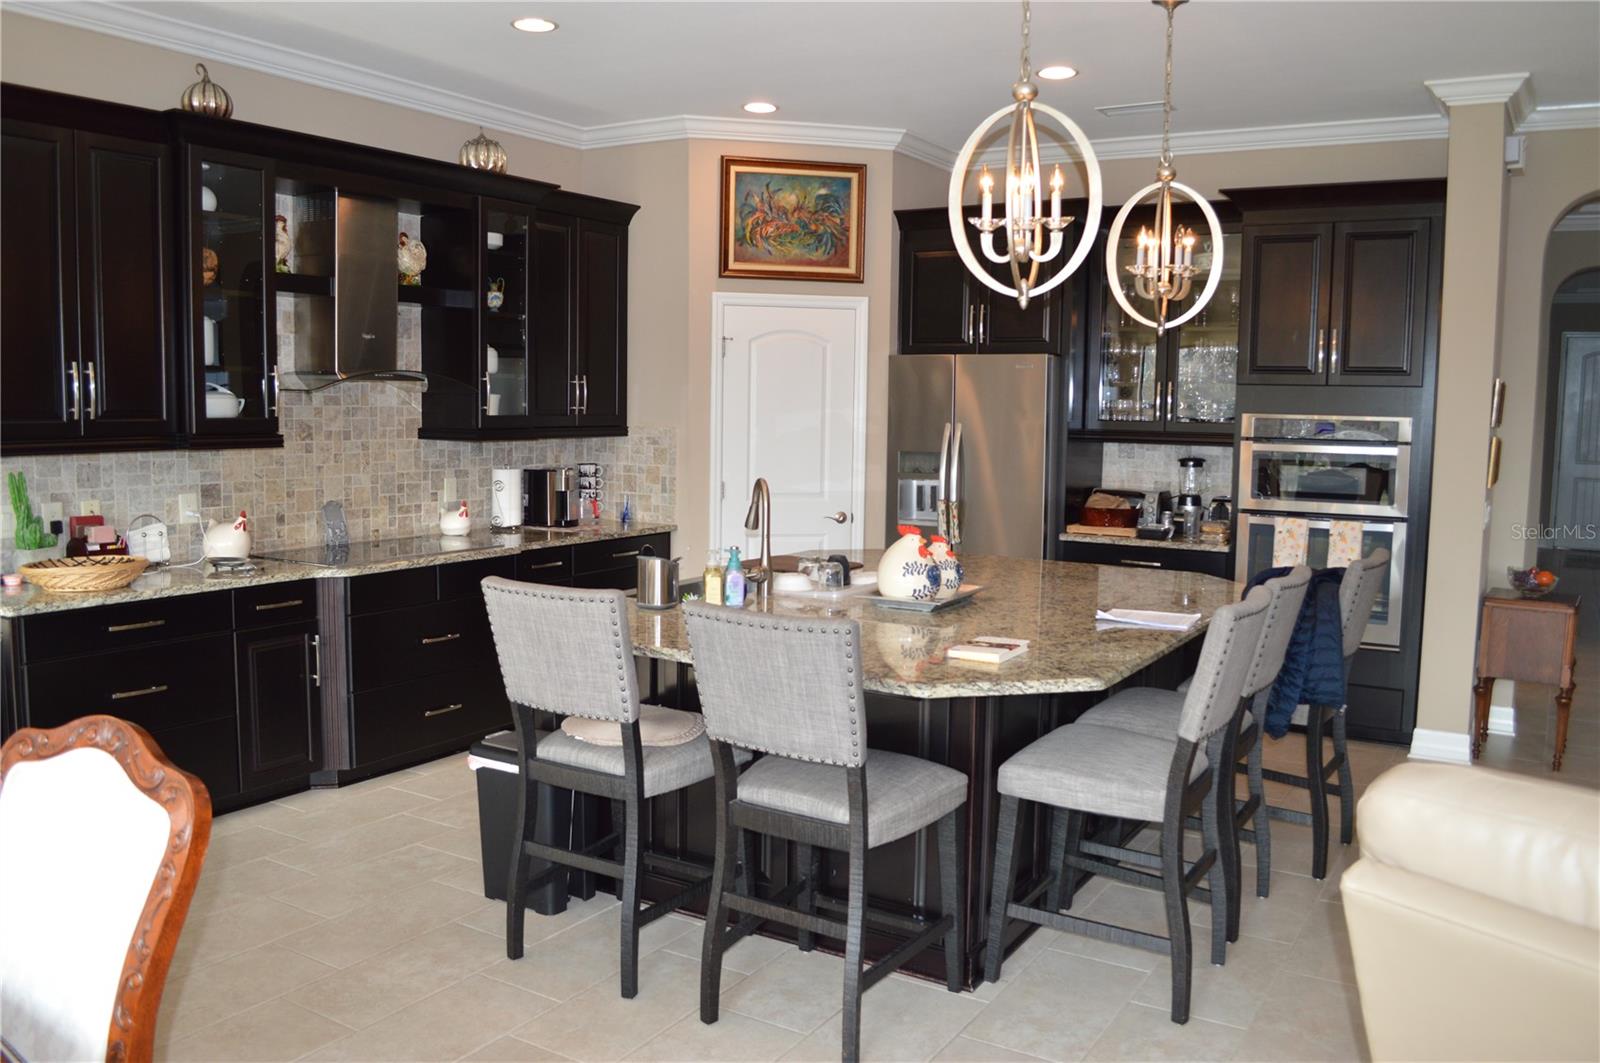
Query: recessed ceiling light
[1058, 72]
[533, 24]
[760, 107]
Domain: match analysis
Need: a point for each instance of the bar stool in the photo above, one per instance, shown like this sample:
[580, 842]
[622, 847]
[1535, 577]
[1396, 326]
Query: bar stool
[1086, 768]
[568, 652]
[1358, 590]
[1156, 713]
[791, 688]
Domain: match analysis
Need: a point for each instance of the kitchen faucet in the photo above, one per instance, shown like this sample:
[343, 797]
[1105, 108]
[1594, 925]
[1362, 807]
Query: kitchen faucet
[759, 518]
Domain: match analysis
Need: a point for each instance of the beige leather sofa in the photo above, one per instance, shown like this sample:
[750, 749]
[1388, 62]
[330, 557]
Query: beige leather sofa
[1474, 916]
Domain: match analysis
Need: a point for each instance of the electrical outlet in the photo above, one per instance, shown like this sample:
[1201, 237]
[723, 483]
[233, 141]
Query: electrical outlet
[188, 505]
[89, 507]
[51, 511]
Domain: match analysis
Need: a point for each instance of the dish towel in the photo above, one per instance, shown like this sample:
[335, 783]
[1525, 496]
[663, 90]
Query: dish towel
[1109, 619]
[1344, 543]
[1291, 539]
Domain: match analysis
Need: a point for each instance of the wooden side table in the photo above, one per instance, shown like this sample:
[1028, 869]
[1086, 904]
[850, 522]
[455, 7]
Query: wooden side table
[1528, 640]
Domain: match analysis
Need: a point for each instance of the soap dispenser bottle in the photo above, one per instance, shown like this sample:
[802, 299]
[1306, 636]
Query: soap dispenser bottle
[733, 580]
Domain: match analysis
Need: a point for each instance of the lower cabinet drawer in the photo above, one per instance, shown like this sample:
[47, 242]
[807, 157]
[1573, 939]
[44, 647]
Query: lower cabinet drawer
[398, 719]
[616, 553]
[209, 750]
[158, 688]
[79, 632]
[1173, 559]
[621, 579]
[423, 640]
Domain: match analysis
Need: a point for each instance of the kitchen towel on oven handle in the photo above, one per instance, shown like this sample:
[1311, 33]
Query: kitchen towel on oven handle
[1313, 668]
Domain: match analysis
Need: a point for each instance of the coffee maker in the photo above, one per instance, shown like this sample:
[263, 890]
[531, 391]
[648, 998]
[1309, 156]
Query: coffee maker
[550, 497]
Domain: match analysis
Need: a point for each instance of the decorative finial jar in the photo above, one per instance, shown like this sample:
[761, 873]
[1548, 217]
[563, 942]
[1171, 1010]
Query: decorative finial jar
[206, 97]
[483, 152]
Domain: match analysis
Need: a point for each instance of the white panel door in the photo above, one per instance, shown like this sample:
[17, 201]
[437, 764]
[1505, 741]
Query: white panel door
[1577, 494]
[790, 377]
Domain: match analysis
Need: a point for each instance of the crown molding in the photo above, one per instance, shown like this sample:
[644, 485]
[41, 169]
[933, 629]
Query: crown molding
[1562, 116]
[1513, 90]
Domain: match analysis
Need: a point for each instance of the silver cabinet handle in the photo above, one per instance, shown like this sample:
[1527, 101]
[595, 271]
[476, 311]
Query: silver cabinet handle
[138, 626]
[983, 319]
[486, 393]
[272, 409]
[1141, 564]
[943, 501]
[1334, 360]
[541, 568]
[838, 518]
[72, 370]
[452, 707]
[431, 640]
[1322, 348]
[121, 695]
[627, 553]
[1169, 400]
[94, 402]
[970, 333]
[280, 605]
[572, 407]
[316, 659]
[585, 408]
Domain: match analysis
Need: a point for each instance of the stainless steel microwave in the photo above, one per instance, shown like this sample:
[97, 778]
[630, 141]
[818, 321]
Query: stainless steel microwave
[1344, 466]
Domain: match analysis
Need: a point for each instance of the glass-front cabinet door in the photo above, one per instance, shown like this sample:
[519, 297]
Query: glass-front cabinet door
[507, 271]
[231, 330]
[1130, 385]
[1205, 350]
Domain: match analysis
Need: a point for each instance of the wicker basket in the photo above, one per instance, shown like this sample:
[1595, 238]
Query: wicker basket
[84, 573]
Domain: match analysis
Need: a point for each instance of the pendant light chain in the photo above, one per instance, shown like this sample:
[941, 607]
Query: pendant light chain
[1027, 28]
[1166, 97]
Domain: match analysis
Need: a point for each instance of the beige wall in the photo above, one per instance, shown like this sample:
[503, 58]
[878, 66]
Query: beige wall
[1563, 168]
[49, 55]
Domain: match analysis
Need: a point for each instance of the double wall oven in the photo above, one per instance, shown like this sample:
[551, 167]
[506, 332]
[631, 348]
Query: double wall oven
[1326, 469]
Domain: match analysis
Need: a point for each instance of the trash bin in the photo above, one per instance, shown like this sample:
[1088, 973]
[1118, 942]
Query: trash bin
[565, 818]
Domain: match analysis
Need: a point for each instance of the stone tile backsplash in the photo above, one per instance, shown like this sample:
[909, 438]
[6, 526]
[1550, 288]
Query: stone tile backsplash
[1154, 467]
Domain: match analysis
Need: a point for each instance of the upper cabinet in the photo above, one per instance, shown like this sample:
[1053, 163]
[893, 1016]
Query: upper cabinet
[1340, 283]
[86, 322]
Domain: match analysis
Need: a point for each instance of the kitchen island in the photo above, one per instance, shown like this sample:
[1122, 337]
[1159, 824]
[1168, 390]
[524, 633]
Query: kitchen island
[967, 715]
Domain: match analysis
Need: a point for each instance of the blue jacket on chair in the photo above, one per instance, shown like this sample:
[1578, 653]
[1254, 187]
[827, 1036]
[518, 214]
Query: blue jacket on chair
[1313, 668]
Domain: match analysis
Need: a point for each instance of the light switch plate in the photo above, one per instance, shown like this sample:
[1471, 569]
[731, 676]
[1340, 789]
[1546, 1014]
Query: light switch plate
[188, 506]
[51, 511]
[89, 507]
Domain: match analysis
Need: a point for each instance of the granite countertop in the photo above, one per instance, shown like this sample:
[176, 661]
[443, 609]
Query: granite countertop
[1154, 544]
[1050, 603]
[381, 556]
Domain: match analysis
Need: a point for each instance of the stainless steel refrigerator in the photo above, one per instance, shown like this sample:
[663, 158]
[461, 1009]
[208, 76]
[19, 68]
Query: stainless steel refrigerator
[971, 439]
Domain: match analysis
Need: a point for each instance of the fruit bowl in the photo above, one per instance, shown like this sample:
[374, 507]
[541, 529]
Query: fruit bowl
[1532, 582]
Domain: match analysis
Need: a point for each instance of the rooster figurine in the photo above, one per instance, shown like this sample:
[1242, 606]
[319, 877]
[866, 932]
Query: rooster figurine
[282, 244]
[412, 258]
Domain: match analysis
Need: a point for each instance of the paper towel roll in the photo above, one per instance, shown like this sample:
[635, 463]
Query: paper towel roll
[505, 500]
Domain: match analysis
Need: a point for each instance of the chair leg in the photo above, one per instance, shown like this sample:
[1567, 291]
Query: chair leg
[632, 857]
[1347, 786]
[1059, 894]
[808, 863]
[521, 864]
[855, 927]
[1005, 872]
[712, 939]
[1227, 830]
[1318, 789]
[1260, 822]
[1212, 818]
[950, 899]
[1172, 875]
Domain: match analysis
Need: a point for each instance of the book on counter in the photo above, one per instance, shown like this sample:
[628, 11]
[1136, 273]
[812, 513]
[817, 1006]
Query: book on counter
[987, 649]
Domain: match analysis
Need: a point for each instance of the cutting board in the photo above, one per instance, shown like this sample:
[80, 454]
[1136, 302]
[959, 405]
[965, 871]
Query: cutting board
[1086, 529]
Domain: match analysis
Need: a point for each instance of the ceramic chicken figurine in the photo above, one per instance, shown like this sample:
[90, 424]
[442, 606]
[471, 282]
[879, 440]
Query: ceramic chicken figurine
[228, 542]
[282, 244]
[949, 566]
[412, 258]
[907, 569]
[457, 523]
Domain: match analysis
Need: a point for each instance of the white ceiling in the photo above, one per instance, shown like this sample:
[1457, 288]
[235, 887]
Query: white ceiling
[930, 69]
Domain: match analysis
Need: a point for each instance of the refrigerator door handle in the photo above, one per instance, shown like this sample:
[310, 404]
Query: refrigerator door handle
[942, 505]
[954, 507]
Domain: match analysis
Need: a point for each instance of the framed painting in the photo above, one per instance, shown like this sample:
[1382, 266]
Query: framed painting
[791, 220]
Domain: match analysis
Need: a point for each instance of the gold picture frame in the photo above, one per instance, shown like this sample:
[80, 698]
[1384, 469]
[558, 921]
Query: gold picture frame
[786, 219]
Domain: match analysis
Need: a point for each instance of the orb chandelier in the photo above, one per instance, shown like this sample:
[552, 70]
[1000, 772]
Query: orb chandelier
[1163, 268]
[1031, 237]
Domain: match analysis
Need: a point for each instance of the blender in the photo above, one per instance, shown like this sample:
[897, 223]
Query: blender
[1189, 505]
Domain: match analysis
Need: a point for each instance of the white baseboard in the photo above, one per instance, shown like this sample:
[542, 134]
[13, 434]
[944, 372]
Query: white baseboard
[1502, 717]
[1450, 747]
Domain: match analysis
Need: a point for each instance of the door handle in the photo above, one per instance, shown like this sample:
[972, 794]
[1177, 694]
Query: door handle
[88, 371]
[838, 518]
[273, 411]
[627, 553]
[431, 640]
[954, 508]
[486, 393]
[585, 408]
[942, 506]
[970, 333]
[1322, 348]
[541, 568]
[316, 658]
[1169, 400]
[1141, 564]
[983, 322]
[121, 695]
[572, 407]
[1334, 357]
[453, 707]
[72, 370]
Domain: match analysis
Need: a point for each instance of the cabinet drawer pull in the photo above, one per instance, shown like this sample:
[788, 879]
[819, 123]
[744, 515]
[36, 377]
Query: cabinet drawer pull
[316, 656]
[292, 602]
[627, 553]
[140, 626]
[94, 402]
[430, 640]
[159, 688]
[547, 564]
[1141, 564]
[441, 711]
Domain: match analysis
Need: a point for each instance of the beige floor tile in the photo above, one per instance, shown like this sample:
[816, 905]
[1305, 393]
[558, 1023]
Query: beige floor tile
[338, 849]
[969, 1050]
[798, 990]
[341, 889]
[1141, 1034]
[366, 806]
[510, 1049]
[1323, 948]
[247, 844]
[448, 1025]
[1231, 993]
[749, 955]
[1134, 908]
[1059, 1009]
[1016, 964]
[733, 1038]
[1281, 916]
[350, 938]
[491, 918]
[273, 816]
[567, 963]
[461, 841]
[197, 998]
[440, 785]
[360, 995]
[224, 884]
[1106, 952]
[465, 874]
[276, 1030]
[1306, 1019]
[255, 921]
[598, 1024]
[456, 810]
[900, 1020]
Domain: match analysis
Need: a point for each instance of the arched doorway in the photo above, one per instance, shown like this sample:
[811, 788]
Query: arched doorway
[1571, 494]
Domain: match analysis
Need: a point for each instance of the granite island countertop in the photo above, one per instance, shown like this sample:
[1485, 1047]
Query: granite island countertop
[366, 558]
[1212, 547]
[1050, 603]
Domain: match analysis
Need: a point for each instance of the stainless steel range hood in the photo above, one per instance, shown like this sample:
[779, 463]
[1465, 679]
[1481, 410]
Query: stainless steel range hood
[355, 338]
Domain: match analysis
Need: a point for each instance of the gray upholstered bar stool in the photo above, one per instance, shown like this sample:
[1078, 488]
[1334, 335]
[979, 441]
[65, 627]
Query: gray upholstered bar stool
[1156, 712]
[1358, 590]
[568, 652]
[1086, 768]
[791, 688]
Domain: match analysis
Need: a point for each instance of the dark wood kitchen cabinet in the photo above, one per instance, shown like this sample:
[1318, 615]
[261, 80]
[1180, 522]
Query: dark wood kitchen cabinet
[85, 326]
[278, 677]
[1340, 285]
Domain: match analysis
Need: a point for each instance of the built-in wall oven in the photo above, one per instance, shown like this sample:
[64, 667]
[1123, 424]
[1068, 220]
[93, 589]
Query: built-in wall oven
[1326, 469]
